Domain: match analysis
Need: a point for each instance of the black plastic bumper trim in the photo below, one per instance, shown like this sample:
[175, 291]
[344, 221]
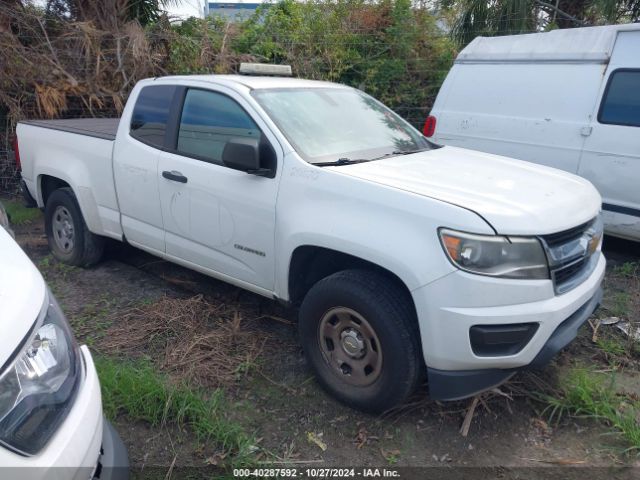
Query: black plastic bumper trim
[459, 384]
[564, 334]
[27, 198]
[114, 461]
[501, 340]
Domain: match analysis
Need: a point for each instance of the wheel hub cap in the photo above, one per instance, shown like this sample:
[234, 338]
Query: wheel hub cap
[350, 346]
[62, 226]
[352, 343]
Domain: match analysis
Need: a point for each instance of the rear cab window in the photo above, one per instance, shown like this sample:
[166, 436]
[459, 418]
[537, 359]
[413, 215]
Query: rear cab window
[621, 100]
[151, 114]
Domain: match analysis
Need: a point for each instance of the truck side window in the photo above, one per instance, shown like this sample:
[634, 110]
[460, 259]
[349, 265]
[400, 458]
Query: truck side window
[621, 102]
[150, 114]
[209, 120]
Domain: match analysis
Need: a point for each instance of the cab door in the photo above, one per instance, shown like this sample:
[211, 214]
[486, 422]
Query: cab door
[611, 154]
[217, 219]
[136, 156]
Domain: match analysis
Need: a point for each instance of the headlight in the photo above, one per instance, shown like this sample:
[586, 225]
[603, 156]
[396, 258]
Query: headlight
[38, 386]
[496, 256]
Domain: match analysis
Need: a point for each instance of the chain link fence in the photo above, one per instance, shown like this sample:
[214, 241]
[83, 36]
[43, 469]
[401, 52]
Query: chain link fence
[9, 172]
[9, 175]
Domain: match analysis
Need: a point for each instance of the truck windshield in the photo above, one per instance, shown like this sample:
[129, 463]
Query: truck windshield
[341, 125]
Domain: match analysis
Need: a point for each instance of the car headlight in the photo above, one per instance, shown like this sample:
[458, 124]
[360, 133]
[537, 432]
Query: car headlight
[38, 386]
[496, 256]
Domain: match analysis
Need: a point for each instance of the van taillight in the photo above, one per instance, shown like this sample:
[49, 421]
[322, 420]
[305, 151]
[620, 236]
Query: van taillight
[16, 152]
[429, 126]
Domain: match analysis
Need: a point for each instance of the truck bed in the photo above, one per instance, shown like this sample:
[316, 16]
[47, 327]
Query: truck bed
[104, 128]
[79, 152]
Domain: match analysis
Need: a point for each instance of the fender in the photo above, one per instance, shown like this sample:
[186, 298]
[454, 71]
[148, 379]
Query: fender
[388, 227]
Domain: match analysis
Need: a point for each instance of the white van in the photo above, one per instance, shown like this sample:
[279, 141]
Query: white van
[569, 99]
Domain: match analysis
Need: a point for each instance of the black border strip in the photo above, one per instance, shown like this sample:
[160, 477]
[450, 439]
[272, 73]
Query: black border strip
[634, 212]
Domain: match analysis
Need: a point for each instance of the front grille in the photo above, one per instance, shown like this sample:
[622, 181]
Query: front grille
[560, 238]
[571, 260]
[564, 274]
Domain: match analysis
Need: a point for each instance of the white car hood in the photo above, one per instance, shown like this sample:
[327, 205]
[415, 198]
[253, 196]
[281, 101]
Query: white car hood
[515, 197]
[22, 295]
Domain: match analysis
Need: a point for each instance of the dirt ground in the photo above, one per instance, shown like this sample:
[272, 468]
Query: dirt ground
[280, 402]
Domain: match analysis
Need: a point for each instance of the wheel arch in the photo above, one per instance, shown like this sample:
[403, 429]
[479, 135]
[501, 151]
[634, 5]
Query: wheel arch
[311, 263]
[48, 183]
[76, 246]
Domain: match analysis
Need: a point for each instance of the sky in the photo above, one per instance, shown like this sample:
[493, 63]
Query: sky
[188, 8]
[185, 8]
[195, 8]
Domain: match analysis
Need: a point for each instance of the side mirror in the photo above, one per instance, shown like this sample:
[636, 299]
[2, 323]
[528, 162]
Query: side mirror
[242, 154]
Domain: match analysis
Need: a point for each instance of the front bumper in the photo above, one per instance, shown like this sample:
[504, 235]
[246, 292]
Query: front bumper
[113, 463]
[449, 307]
[454, 385]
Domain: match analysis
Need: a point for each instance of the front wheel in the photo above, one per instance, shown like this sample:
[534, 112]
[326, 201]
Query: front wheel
[359, 333]
[69, 239]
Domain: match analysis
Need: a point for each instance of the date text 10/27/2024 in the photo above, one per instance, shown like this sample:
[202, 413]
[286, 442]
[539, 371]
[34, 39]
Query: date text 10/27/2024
[315, 473]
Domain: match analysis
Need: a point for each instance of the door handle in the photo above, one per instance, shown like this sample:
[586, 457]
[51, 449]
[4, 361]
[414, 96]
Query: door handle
[174, 176]
[586, 131]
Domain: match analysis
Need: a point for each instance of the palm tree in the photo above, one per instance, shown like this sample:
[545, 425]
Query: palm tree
[620, 10]
[108, 13]
[148, 11]
[508, 17]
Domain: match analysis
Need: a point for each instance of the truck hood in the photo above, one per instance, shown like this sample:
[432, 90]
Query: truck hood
[515, 197]
[22, 294]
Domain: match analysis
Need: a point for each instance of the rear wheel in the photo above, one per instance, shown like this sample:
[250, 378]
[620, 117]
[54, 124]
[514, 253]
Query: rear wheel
[69, 239]
[359, 333]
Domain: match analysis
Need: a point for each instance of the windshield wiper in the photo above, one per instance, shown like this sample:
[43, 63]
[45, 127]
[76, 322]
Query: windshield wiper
[408, 152]
[349, 161]
[343, 161]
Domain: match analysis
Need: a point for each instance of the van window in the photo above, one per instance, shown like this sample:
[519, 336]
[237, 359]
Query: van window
[150, 114]
[209, 120]
[621, 103]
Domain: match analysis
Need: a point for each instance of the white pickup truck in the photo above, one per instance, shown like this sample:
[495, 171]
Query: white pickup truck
[404, 257]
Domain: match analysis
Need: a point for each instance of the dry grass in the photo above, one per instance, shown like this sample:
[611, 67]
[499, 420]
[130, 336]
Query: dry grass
[496, 403]
[202, 343]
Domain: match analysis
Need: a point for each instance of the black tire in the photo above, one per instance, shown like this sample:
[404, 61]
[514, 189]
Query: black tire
[389, 312]
[86, 248]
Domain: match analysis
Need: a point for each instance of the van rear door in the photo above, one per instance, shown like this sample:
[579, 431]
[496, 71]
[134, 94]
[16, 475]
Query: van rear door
[611, 155]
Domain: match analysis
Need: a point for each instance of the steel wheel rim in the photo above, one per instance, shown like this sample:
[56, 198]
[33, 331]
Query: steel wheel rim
[62, 226]
[350, 346]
